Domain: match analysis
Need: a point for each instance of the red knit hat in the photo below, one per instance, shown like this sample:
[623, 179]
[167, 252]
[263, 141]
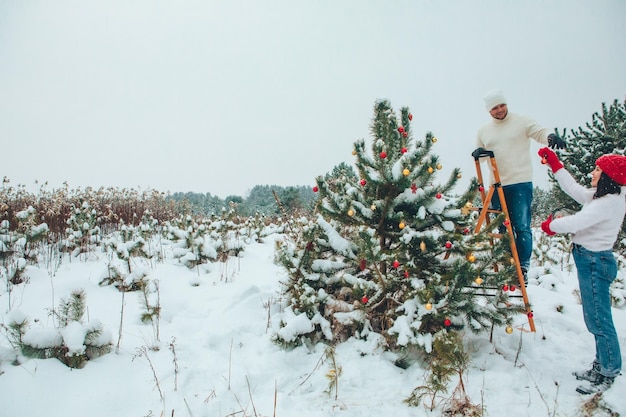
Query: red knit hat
[614, 166]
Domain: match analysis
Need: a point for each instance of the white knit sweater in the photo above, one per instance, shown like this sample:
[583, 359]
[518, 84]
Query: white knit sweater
[509, 139]
[597, 224]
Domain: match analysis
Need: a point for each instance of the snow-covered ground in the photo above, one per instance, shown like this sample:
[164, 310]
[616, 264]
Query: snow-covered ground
[212, 353]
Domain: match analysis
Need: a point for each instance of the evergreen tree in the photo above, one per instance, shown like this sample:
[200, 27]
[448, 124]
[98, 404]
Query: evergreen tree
[390, 251]
[606, 133]
[542, 205]
[261, 200]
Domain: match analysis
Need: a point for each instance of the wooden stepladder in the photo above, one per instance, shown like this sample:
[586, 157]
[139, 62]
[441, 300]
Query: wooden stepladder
[483, 218]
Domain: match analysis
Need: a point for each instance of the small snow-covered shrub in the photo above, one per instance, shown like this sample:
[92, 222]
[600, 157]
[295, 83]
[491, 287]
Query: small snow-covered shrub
[73, 342]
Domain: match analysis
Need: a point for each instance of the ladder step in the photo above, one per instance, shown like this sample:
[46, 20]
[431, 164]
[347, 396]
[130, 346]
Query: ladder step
[493, 291]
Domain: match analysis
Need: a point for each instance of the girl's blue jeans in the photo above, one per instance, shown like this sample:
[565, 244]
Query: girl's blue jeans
[596, 272]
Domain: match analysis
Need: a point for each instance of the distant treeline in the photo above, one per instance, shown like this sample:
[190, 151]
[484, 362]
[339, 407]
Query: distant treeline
[263, 199]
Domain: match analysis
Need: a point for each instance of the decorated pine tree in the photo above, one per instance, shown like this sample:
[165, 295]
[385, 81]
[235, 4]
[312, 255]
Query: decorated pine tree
[391, 251]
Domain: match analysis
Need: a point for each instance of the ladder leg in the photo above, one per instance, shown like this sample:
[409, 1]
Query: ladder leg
[518, 266]
[484, 210]
[483, 217]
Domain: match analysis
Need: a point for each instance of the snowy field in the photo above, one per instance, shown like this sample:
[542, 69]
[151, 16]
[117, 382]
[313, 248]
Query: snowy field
[212, 354]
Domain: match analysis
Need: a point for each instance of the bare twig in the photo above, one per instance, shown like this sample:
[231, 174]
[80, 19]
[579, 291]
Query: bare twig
[175, 360]
[553, 412]
[250, 395]
[144, 352]
[282, 209]
[275, 396]
[243, 410]
[188, 408]
[119, 335]
[158, 311]
[519, 348]
[317, 365]
[230, 355]
[268, 306]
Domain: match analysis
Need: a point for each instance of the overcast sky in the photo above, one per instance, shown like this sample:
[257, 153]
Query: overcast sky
[220, 96]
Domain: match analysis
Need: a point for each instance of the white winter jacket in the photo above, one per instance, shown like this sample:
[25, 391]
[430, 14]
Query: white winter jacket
[598, 223]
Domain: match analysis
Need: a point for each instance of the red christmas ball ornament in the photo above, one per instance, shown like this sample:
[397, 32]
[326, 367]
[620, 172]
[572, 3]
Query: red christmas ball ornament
[512, 288]
[447, 322]
[410, 116]
[481, 188]
[506, 222]
[448, 244]
[530, 315]
[362, 264]
[364, 300]
[315, 189]
[413, 188]
[383, 155]
[396, 264]
[438, 195]
[406, 274]
[404, 134]
[404, 150]
[466, 231]
[505, 287]
[363, 182]
[401, 129]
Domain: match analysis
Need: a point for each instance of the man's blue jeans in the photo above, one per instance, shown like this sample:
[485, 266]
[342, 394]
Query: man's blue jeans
[518, 198]
[596, 272]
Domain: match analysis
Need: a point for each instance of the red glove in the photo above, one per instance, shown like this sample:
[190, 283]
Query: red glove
[549, 157]
[545, 226]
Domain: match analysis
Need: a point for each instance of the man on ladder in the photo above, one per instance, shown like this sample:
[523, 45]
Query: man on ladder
[508, 136]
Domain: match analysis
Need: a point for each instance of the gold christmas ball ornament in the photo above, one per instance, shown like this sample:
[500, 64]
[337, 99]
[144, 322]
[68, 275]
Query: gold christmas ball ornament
[422, 246]
[478, 280]
[508, 329]
[353, 151]
[512, 261]
[401, 225]
[471, 258]
[430, 170]
[406, 172]
[428, 306]
[465, 210]
[434, 139]
[439, 166]
[459, 176]
[350, 212]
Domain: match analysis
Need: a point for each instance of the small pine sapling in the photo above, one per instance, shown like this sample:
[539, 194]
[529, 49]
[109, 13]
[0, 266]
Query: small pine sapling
[334, 371]
[73, 342]
[449, 359]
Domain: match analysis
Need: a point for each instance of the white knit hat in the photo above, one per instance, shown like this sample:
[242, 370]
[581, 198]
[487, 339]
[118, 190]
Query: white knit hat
[493, 98]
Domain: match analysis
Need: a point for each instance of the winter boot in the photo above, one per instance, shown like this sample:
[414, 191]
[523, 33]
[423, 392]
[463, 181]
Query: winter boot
[588, 375]
[600, 384]
[525, 273]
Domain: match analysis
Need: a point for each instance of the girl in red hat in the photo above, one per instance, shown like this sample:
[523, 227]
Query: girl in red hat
[594, 230]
